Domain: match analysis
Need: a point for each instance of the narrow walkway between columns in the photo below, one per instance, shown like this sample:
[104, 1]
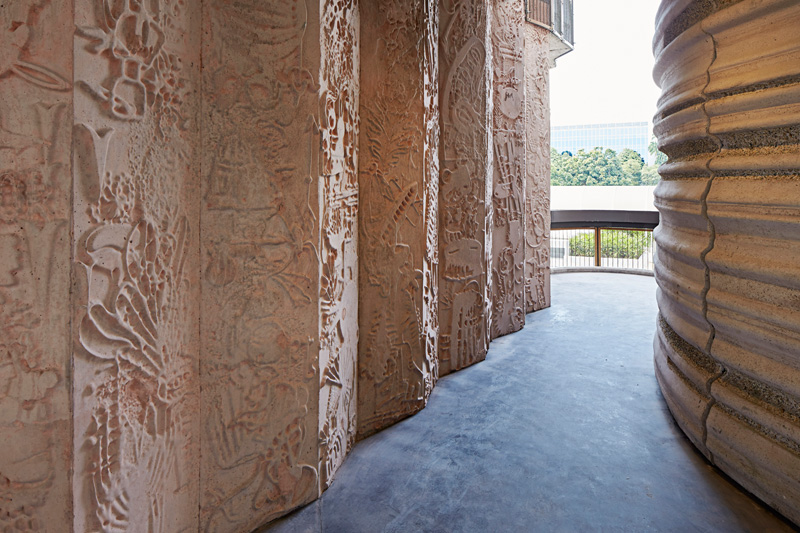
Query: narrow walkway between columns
[562, 428]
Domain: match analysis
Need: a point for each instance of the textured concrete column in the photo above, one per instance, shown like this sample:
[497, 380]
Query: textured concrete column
[398, 180]
[508, 186]
[35, 302]
[537, 168]
[278, 255]
[135, 224]
[727, 346]
[465, 202]
[338, 281]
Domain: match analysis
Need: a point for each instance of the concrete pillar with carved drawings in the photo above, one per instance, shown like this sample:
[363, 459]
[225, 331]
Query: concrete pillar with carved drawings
[278, 252]
[537, 168]
[465, 196]
[178, 276]
[398, 213]
[36, 132]
[508, 184]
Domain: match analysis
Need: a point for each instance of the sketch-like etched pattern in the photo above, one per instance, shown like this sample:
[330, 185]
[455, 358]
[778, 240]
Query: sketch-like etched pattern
[464, 313]
[338, 307]
[508, 188]
[508, 269]
[260, 258]
[135, 382]
[35, 138]
[228, 263]
[396, 369]
[143, 74]
[430, 268]
[537, 169]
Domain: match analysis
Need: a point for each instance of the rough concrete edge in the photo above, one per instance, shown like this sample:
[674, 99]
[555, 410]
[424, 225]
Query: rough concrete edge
[605, 270]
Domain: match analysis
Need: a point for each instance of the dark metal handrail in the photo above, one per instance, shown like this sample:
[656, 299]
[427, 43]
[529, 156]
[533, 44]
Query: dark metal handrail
[622, 227]
[570, 219]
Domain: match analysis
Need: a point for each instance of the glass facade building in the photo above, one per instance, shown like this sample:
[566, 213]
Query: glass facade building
[633, 135]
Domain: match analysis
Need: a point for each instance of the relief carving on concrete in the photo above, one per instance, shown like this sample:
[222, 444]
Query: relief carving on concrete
[537, 169]
[35, 139]
[396, 368]
[260, 258]
[338, 306]
[508, 241]
[431, 145]
[135, 379]
[465, 215]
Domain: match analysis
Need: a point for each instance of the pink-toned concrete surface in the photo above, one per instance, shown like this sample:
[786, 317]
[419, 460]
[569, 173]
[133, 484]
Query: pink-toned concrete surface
[260, 228]
[219, 244]
[508, 186]
[136, 273]
[397, 363]
[35, 301]
[465, 205]
[537, 168]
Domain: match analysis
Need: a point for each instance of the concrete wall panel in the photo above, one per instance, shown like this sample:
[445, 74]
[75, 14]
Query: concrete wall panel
[397, 364]
[260, 260]
[135, 223]
[35, 299]
[466, 183]
[537, 168]
[508, 186]
[338, 282]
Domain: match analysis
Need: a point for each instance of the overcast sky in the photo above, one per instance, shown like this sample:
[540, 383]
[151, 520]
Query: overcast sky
[609, 75]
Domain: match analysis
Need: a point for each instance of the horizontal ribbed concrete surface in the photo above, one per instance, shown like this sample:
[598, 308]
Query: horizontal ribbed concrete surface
[562, 428]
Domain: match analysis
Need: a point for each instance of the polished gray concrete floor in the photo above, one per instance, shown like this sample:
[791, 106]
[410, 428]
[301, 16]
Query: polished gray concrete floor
[562, 428]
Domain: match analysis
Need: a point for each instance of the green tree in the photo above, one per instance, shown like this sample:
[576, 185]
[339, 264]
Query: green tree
[631, 163]
[650, 175]
[660, 156]
[561, 168]
[616, 243]
[599, 166]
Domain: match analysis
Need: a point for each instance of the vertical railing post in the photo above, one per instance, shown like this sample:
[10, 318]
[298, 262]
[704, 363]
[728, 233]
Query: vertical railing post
[597, 246]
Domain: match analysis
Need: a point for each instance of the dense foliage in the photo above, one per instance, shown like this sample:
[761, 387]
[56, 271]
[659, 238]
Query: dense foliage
[603, 167]
[619, 244]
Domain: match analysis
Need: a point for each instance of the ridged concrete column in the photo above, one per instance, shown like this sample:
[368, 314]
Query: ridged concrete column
[465, 201]
[398, 181]
[727, 351]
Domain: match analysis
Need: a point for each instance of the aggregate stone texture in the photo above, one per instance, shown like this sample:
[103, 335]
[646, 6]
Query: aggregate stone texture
[728, 346]
[562, 428]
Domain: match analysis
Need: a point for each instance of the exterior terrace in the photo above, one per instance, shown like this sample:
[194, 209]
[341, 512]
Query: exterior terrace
[562, 428]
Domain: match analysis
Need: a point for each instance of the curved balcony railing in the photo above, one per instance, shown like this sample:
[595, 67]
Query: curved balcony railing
[609, 240]
[555, 15]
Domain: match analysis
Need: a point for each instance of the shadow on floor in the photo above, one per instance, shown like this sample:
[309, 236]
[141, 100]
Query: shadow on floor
[562, 428]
